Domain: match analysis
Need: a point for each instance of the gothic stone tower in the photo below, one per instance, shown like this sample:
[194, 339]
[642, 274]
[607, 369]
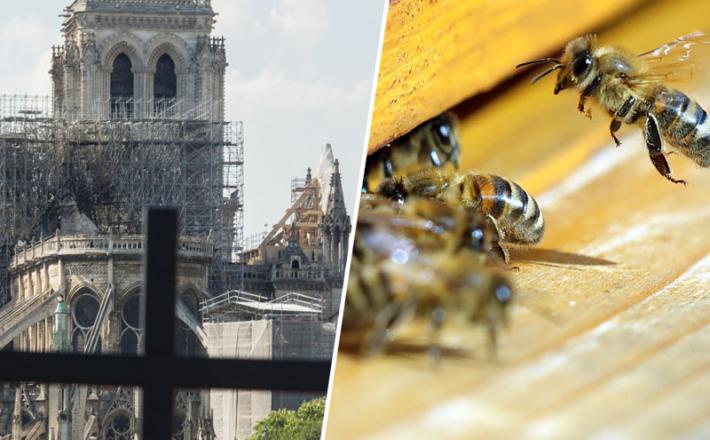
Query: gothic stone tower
[336, 224]
[133, 58]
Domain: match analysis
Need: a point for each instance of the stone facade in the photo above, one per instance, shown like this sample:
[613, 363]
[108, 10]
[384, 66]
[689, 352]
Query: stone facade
[98, 277]
[133, 60]
[97, 32]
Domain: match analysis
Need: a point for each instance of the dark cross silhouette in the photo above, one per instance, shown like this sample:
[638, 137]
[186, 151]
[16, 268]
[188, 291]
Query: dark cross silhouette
[159, 372]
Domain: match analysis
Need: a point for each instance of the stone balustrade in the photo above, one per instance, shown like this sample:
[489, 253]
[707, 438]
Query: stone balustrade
[298, 274]
[159, 2]
[104, 244]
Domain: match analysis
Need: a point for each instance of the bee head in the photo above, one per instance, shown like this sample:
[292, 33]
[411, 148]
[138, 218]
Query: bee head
[445, 139]
[392, 189]
[484, 295]
[576, 63]
[486, 301]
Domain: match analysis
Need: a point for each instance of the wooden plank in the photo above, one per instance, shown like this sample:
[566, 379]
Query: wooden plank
[611, 329]
[437, 53]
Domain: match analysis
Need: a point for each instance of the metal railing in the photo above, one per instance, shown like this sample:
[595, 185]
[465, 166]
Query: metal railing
[298, 274]
[308, 304]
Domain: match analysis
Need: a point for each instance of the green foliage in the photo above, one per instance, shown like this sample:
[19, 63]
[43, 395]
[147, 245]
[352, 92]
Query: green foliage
[285, 424]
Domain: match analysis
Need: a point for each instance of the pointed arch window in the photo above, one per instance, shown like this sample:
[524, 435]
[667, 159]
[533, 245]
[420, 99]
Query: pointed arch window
[84, 312]
[164, 85]
[122, 88]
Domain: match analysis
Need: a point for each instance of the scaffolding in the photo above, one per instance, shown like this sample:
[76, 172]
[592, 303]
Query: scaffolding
[297, 186]
[115, 159]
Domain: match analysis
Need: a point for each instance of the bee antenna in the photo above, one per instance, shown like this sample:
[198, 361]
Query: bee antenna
[540, 61]
[545, 73]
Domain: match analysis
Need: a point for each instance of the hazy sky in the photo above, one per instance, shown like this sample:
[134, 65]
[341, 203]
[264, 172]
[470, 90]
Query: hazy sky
[299, 75]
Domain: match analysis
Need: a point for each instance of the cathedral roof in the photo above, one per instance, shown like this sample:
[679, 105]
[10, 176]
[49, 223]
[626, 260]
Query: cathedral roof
[141, 6]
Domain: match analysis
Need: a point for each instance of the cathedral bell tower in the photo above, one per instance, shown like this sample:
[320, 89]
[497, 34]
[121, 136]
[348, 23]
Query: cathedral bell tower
[139, 59]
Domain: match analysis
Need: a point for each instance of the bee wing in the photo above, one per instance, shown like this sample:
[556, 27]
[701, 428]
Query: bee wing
[684, 60]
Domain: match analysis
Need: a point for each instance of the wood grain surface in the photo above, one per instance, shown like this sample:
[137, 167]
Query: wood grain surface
[436, 53]
[610, 334]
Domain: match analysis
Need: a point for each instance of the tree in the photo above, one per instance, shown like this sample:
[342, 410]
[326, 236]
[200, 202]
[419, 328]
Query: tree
[285, 424]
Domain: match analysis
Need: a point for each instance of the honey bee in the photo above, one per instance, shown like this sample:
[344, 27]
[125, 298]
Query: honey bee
[515, 214]
[432, 225]
[384, 294]
[634, 89]
[434, 143]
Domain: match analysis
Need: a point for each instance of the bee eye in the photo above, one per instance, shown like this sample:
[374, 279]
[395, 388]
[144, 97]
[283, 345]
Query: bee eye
[477, 239]
[581, 64]
[442, 131]
[503, 293]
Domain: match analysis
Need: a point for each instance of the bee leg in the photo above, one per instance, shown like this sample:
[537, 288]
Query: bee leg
[653, 143]
[496, 247]
[499, 252]
[492, 337]
[388, 320]
[621, 113]
[587, 92]
[613, 128]
[580, 107]
[437, 321]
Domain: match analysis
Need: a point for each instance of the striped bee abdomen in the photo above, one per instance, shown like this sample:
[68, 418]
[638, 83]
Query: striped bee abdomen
[684, 124]
[515, 211]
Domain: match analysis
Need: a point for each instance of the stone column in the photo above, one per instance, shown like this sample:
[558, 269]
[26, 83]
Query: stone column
[45, 272]
[32, 338]
[103, 106]
[17, 415]
[38, 284]
[40, 337]
[48, 333]
[140, 92]
[326, 244]
[20, 289]
[343, 251]
[31, 286]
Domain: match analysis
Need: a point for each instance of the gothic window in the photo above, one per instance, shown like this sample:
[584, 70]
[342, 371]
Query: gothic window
[165, 81]
[131, 333]
[118, 427]
[122, 88]
[84, 312]
[164, 85]
[294, 264]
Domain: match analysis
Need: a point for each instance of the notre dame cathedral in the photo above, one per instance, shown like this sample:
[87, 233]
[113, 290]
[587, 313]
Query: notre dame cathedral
[137, 118]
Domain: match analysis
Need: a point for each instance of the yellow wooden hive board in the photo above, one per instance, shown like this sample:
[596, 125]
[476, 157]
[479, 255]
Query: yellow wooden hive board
[611, 331]
[437, 53]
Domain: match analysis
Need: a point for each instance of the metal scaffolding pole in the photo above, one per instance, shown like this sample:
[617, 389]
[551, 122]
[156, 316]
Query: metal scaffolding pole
[112, 168]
